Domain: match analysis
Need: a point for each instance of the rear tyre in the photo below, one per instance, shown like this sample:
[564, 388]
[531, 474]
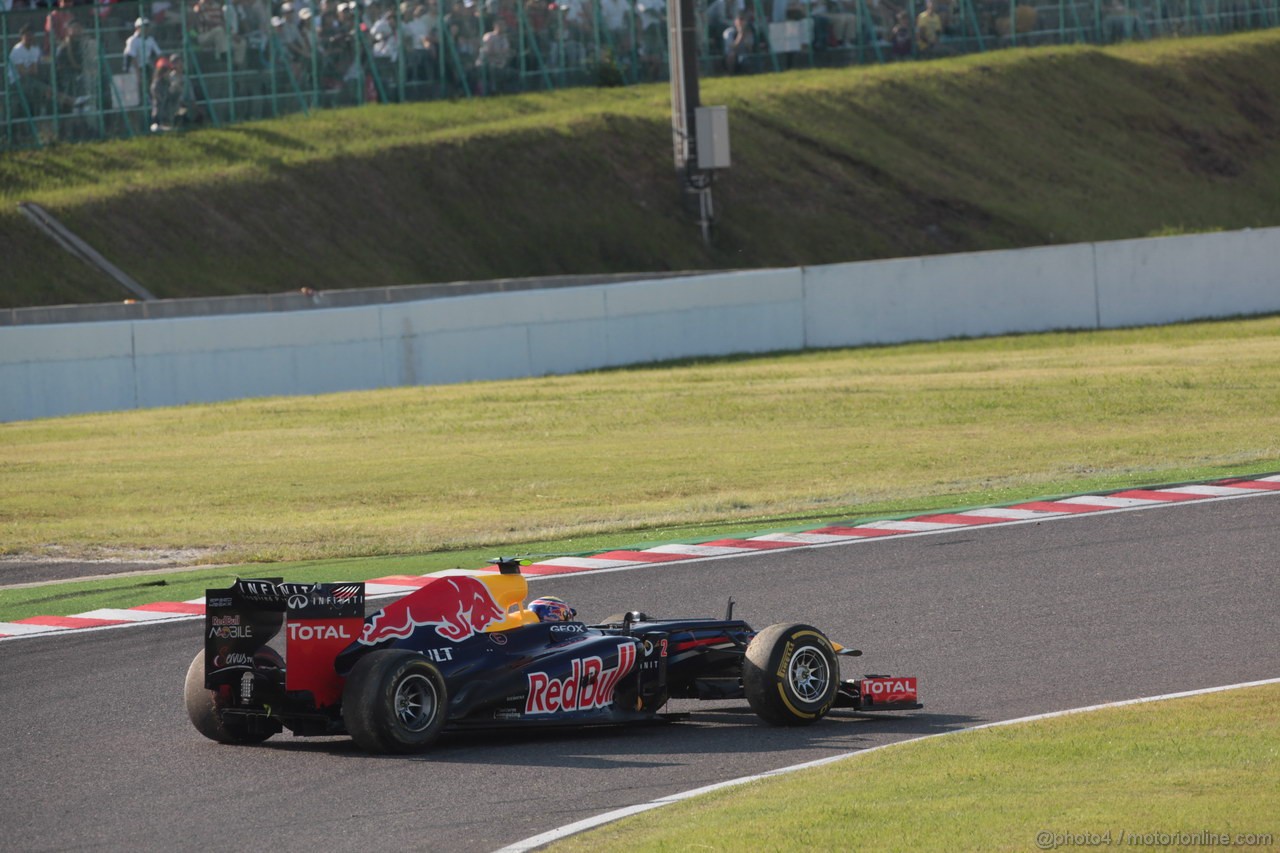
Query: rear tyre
[395, 701]
[790, 675]
[204, 707]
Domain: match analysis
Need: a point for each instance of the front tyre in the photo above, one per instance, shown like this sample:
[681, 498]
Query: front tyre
[395, 701]
[204, 707]
[790, 675]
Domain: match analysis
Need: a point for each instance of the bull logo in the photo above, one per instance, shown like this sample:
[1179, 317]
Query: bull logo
[458, 607]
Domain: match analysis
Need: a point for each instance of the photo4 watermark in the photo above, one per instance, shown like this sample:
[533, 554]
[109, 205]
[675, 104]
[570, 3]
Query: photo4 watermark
[1050, 840]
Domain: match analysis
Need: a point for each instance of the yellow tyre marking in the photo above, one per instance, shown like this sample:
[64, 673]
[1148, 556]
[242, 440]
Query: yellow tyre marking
[793, 708]
[782, 662]
[786, 658]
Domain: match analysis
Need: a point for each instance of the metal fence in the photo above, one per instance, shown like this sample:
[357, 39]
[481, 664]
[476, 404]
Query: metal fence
[120, 69]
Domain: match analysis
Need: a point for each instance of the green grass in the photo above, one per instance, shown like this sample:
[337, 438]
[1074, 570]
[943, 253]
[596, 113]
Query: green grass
[70, 597]
[572, 464]
[1010, 148]
[1192, 765]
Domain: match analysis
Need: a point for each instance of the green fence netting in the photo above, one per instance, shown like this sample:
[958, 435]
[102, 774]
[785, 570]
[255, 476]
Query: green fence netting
[78, 71]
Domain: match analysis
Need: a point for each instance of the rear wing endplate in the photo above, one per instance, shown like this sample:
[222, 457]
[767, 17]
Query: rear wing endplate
[243, 618]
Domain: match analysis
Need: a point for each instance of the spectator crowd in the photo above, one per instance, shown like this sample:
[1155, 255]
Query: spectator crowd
[92, 68]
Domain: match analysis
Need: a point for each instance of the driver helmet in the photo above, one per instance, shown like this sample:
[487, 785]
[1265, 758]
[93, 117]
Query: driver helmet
[552, 609]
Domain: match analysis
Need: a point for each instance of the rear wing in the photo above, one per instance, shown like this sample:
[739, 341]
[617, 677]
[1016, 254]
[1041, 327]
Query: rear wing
[319, 620]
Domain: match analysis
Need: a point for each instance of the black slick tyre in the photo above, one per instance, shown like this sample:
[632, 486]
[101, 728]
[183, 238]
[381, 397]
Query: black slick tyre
[790, 675]
[204, 707]
[395, 701]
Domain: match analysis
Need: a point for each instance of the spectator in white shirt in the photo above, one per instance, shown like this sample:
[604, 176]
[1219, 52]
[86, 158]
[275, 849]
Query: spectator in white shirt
[24, 59]
[140, 48]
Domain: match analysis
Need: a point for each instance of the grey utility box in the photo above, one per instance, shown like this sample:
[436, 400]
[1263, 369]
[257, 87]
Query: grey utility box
[712, 133]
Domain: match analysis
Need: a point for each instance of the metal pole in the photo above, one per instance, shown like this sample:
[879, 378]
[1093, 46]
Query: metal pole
[915, 38]
[54, 95]
[635, 41]
[313, 43]
[458, 66]
[559, 23]
[8, 117]
[486, 87]
[522, 31]
[685, 100]
[147, 74]
[273, 44]
[971, 12]
[400, 56]
[529, 40]
[595, 26]
[442, 38]
[99, 89]
[227, 11]
[811, 47]
[685, 97]
[357, 39]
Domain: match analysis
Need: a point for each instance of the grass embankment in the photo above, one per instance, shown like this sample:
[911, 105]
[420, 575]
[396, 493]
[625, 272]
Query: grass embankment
[1155, 775]
[614, 458]
[1011, 148]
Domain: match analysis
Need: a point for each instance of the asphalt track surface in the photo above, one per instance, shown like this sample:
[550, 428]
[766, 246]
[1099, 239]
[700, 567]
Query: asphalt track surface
[998, 622]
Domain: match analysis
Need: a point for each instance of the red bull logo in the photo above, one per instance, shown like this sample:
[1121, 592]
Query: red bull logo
[587, 687]
[458, 607]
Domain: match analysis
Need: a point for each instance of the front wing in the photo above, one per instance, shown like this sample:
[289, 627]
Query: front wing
[880, 693]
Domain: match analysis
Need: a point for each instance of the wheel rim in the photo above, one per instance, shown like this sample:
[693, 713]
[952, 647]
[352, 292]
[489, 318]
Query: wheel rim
[809, 673]
[415, 702]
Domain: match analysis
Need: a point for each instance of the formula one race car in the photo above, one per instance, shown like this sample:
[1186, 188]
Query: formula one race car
[464, 651]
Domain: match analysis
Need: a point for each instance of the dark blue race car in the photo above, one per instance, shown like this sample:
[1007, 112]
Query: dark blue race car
[464, 651]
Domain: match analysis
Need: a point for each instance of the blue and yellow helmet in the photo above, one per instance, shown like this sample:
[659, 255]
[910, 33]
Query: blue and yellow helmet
[552, 609]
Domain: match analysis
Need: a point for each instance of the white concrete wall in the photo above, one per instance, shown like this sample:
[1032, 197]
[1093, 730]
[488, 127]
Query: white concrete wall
[1168, 280]
[57, 370]
[201, 359]
[534, 333]
[86, 367]
[950, 296]
[755, 311]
